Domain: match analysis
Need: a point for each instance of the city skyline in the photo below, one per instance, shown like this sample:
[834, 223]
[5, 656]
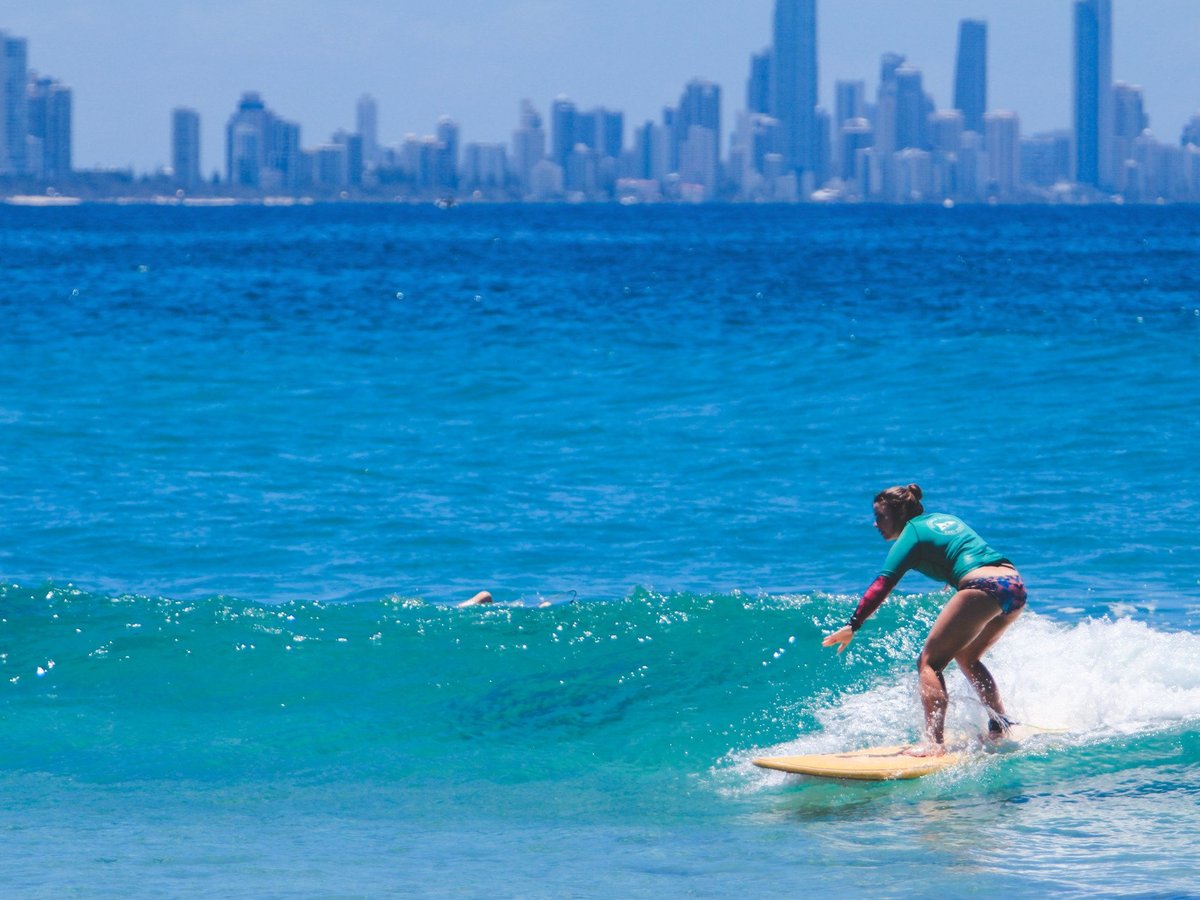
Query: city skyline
[512, 46]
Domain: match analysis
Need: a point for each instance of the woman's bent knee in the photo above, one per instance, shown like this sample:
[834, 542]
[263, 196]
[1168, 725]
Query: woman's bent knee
[927, 661]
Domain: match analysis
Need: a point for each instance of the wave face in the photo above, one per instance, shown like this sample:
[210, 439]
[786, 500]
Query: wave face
[600, 720]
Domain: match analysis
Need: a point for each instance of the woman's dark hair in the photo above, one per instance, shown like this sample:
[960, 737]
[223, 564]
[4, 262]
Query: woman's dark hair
[903, 501]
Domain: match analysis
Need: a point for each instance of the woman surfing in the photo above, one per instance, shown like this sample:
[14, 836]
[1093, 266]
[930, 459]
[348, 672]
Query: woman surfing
[989, 597]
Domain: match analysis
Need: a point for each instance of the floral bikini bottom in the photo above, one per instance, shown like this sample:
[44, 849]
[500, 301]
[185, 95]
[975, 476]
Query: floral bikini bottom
[1007, 590]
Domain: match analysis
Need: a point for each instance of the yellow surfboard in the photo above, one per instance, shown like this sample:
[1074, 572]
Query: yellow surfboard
[888, 763]
[869, 764]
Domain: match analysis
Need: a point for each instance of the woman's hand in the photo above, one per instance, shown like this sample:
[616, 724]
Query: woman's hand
[842, 637]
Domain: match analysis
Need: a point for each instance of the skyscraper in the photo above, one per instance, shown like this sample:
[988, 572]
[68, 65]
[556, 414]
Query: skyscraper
[849, 104]
[1002, 136]
[562, 130]
[885, 106]
[529, 145]
[49, 114]
[601, 130]
[261, 150]
[1129, 121]
[794, 80]
[447, 156]
[758, 87]
[970, 74]
[698, 164]
[14, 105]
[652, 150]
[849, 101]
[185, 146]
[699, 107]
[610, 133]
[945, 131]
[330, 166]
[913, 109]
[484, 167]
[1191, 132]
[855, 135]
[1093, 92]
[353, 149]
[1129, 111]
[1046, 158]
[367, 126]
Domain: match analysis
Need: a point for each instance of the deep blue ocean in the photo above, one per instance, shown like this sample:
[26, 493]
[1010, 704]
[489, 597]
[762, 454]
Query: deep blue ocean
[251, 458]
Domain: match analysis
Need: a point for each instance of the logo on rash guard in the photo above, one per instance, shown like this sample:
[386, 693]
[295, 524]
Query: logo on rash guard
[945, 525]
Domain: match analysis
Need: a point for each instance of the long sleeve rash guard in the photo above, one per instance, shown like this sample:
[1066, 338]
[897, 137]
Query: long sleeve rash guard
[938, 546]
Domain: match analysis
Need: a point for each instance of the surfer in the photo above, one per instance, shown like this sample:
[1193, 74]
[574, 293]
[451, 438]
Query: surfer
[989, 596]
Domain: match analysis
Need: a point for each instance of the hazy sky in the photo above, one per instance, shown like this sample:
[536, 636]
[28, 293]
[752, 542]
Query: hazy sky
[131, 61]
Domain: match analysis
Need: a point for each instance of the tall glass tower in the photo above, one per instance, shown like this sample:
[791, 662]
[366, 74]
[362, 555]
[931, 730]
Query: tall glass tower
[758, 88]
[14, 105]
[794, 81]
[562, 130]
[1093, 93]
[970, 74]
[185, 146]
[48, 153]
[367, 125]
[700, 106]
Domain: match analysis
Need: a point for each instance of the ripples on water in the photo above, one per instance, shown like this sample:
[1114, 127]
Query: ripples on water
[256, 416]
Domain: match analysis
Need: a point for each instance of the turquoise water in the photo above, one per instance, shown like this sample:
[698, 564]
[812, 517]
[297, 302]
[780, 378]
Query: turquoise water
[249, 458]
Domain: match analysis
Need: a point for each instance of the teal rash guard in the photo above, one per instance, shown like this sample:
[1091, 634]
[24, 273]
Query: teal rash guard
[938, 546]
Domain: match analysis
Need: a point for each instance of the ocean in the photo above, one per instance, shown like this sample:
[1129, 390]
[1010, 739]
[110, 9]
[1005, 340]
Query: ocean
[252, 458]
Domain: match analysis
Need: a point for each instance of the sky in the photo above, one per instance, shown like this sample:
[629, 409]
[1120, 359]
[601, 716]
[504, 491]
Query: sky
[130, 62]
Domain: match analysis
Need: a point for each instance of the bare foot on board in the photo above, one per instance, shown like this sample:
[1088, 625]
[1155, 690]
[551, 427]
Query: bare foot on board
[926, 749]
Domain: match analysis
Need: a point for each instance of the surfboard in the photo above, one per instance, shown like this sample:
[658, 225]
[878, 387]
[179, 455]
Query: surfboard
[868, 764]
[892, 762]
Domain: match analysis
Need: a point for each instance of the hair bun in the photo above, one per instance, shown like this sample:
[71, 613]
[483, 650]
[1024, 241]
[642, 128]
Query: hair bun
[915, 490]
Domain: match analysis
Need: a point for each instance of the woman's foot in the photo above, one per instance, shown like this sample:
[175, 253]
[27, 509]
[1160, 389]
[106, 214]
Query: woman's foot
[998, 726]
[926, 749]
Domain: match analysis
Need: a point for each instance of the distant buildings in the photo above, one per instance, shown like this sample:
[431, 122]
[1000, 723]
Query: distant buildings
[885, 143]
[35, 118]
[485, 170]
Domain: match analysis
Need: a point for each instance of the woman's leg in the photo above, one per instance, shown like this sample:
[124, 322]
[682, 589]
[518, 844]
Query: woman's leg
[964, 619]
[977, 673]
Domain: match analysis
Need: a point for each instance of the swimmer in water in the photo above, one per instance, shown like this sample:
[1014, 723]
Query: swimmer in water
[478, 600]
[485, 597]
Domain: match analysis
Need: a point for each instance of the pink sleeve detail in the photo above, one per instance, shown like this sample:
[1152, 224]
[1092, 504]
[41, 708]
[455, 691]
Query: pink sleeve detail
[875, 595]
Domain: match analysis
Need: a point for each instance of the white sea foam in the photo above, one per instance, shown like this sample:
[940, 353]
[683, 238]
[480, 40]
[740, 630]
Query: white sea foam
[1099, 676]
[1095, 680]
